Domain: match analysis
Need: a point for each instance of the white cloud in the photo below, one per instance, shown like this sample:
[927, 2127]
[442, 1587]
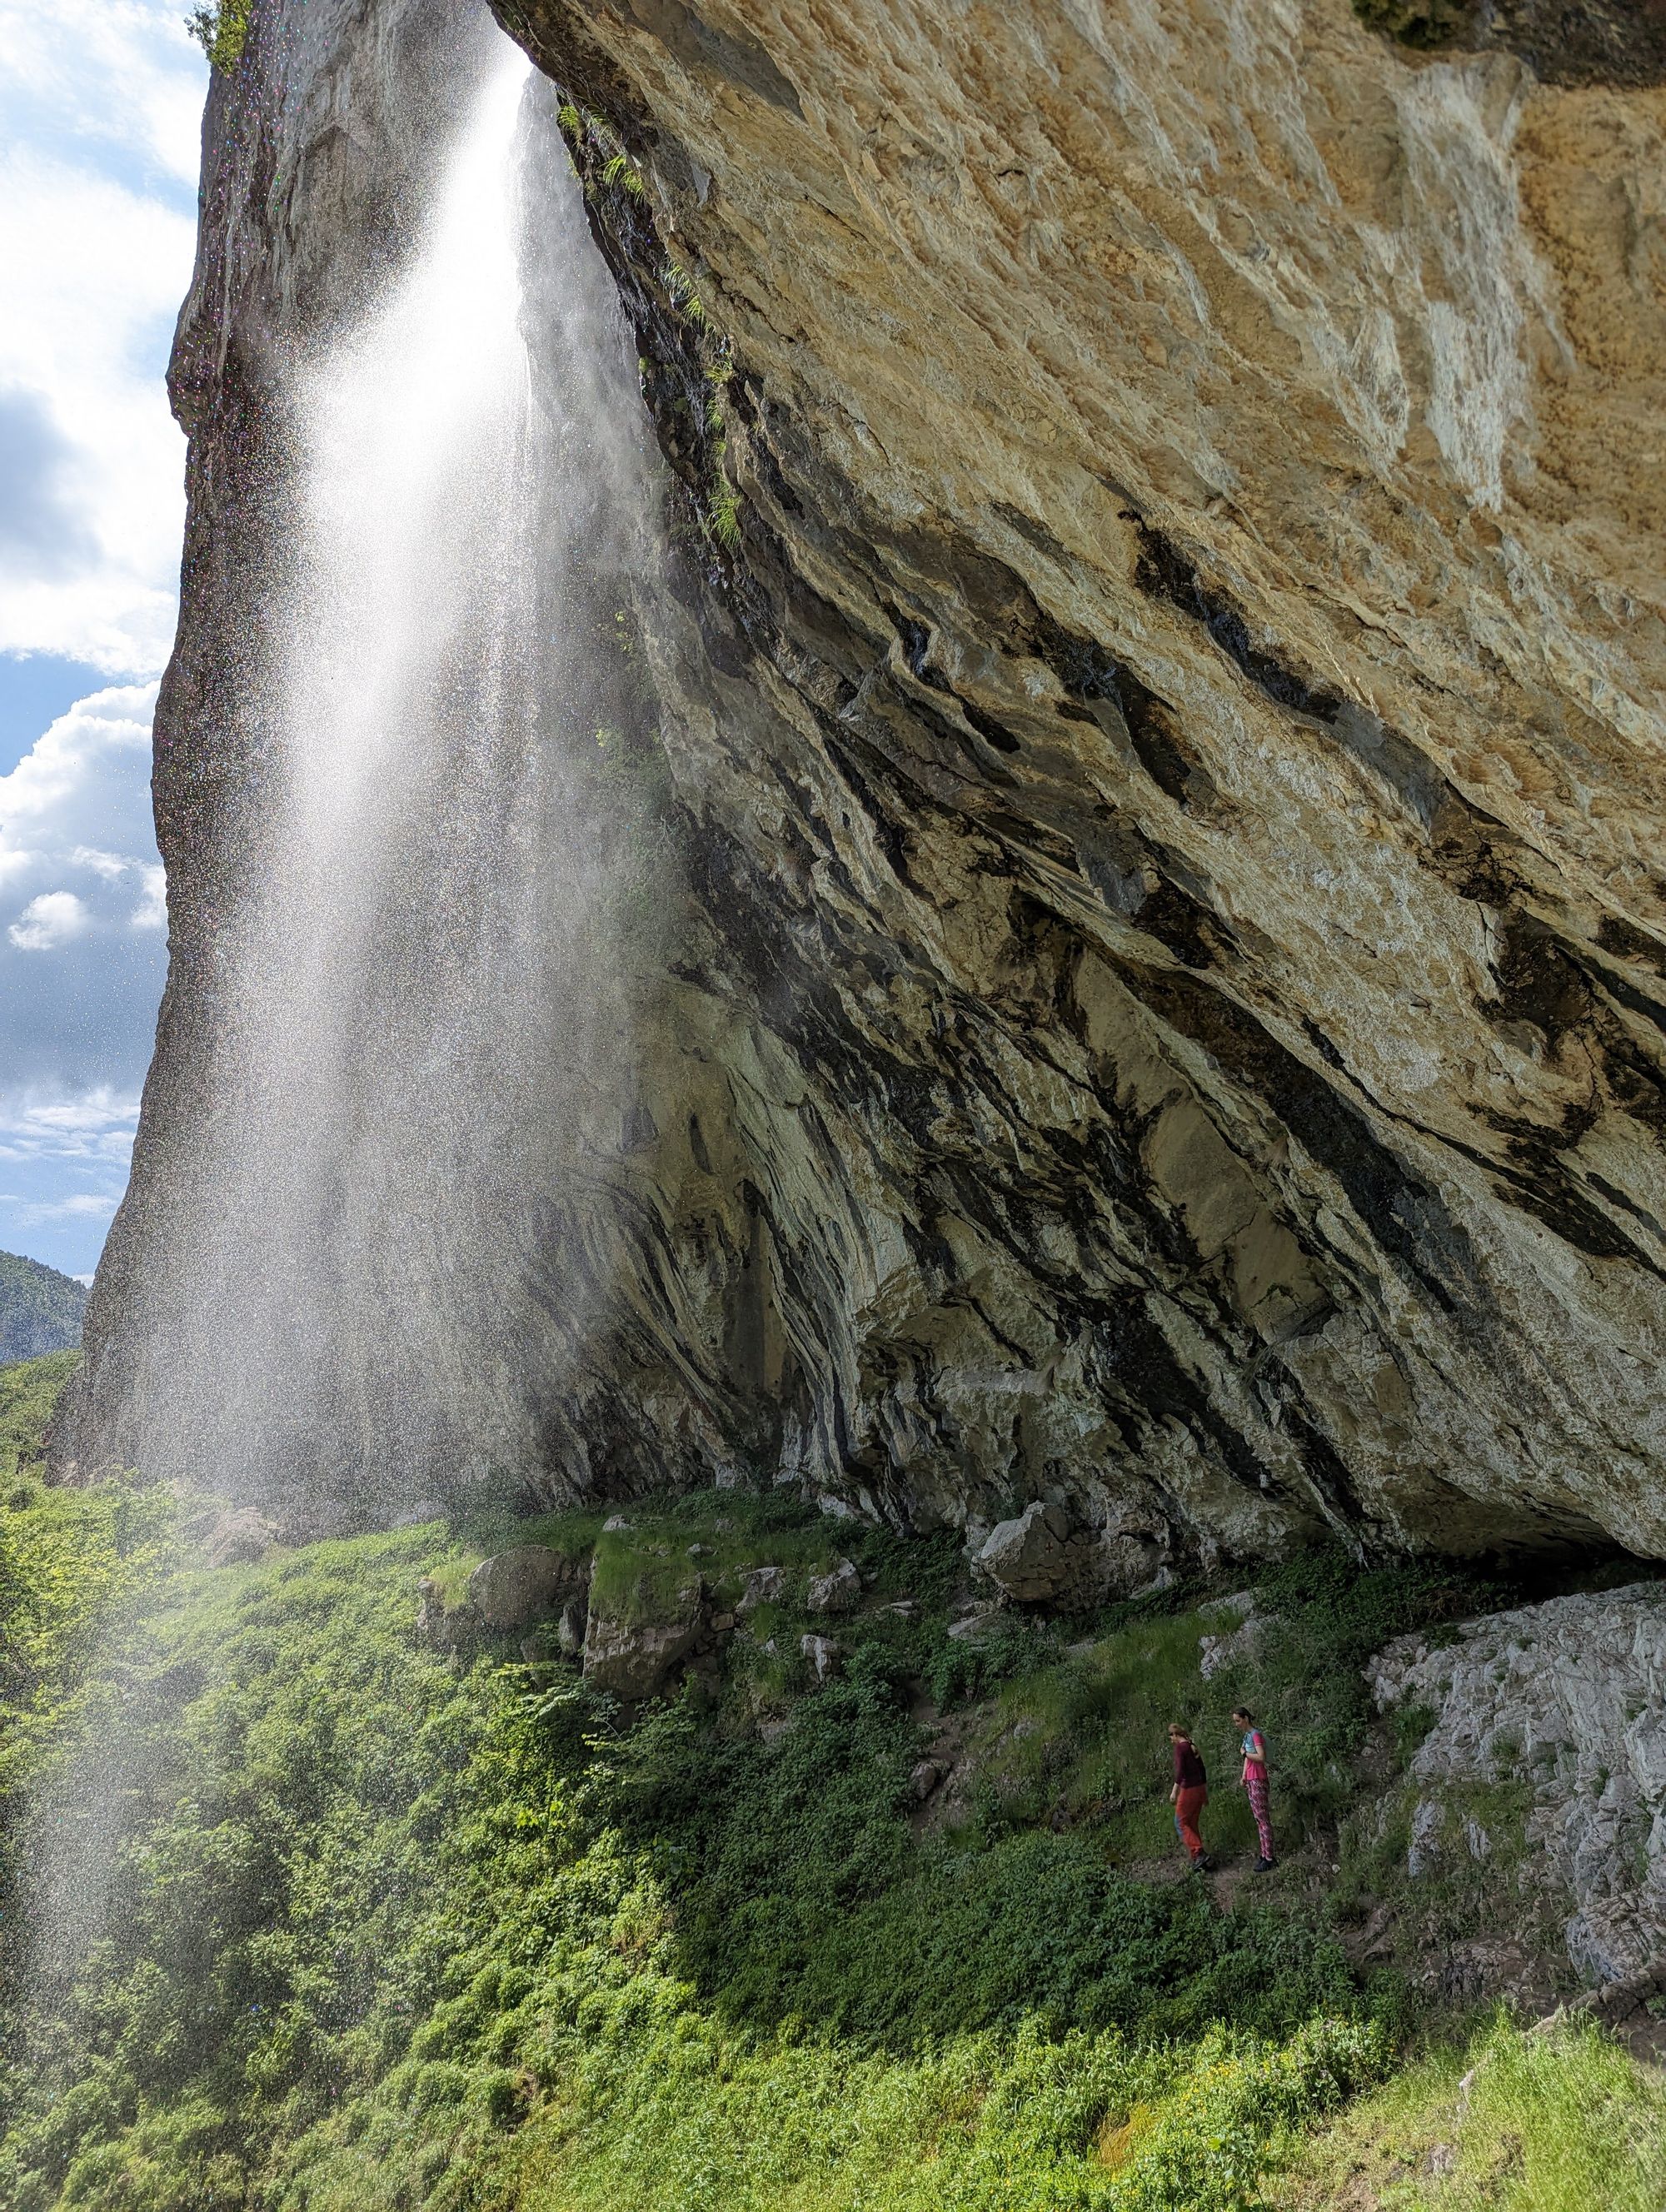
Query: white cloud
[81, 900]
[151, 912]
[118, 75]
[97, 118]
[64, 1158]
[54, 918]
[107, 865]
[100, 109]
[79, 1205]
[94, 1125]
[82, 793]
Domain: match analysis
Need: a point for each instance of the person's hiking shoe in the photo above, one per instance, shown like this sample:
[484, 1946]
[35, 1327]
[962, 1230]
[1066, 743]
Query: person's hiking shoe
[1203, 1863]
[1265, 1866]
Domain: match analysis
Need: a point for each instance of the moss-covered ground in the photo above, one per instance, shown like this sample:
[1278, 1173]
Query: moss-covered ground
[302, 1911]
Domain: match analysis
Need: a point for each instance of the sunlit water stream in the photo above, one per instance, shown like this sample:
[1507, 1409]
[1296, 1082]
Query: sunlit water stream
[425, 1029]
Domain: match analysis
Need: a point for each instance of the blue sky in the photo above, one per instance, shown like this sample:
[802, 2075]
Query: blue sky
[100, 109]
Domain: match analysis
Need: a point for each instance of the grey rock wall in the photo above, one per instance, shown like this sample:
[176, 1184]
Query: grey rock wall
[1568, 1698]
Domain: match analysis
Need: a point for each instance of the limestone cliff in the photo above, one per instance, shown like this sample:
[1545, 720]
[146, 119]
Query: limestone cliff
[1161, 680]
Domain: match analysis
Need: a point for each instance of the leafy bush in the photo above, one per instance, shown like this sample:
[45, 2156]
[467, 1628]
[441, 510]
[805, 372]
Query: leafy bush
[221, 30]
[354, 1924]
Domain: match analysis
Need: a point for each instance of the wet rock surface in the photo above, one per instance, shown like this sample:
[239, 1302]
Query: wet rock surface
[1188, 987]
[523, 1585]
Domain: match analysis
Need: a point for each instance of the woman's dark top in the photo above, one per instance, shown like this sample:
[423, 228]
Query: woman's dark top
[1189, 1769]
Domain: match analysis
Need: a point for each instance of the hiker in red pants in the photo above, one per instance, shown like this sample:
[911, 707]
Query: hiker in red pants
[1254, 1748]
[1190, 1794]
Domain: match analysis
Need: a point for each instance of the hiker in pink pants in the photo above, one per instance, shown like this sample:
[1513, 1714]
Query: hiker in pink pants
[1254, 1748]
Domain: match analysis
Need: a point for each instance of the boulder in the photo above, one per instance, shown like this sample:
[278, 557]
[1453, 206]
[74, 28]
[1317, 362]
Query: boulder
[1032, 1558]
[973, 1626]
[924, 1778]
[520, 1586]
[637, 1659]
[824, 1654]
[764, 1586]
[434, 1625]
[238, 1538]
[419, 1515]
[569, 1631]
[838, 1591]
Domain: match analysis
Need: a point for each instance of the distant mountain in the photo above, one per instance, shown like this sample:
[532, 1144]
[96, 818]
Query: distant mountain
[40, 1310]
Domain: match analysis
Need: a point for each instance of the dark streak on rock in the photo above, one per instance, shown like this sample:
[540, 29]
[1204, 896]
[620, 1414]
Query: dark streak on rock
[1163, 573]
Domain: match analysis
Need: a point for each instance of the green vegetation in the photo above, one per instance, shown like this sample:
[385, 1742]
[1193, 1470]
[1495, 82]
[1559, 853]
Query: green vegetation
[1081, 1739]
[29, 1392]
[1415, 23]
[40, 1310]
[1503, 2121]
[221, 30]
[368, 1912]
[337, 1920]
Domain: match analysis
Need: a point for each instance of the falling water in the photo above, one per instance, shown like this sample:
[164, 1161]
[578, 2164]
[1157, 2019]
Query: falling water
[421, 1018]
[424, 1046]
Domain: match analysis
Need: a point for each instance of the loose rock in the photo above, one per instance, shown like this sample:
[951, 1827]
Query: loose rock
[838, 1591]
[764, 1586]
[238, 1539]
[520, 1586]
[637, 1659]
[1032, 1557]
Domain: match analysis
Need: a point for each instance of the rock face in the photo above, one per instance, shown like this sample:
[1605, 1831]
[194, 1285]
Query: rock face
[634, 1654]
[1567, 1696]
[520, 1586]
[1032, 1557]
[1160, 674]
[839, 1590]
[1196, 587]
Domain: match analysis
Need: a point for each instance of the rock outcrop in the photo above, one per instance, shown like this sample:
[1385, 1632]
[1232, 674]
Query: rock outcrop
[1032, 1558]
[839, 1590]
[1184, 540]
[634, 1649]
[1568, 1700]
[1158, 668]
[526, 1584]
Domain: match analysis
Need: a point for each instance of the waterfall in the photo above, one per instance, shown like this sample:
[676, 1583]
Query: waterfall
[423, 1043]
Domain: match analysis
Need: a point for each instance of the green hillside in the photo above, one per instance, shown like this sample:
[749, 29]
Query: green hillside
[40, 1310]
[347, 1914]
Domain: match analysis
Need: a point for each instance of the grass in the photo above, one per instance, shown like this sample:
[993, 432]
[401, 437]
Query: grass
[1085, 1740]
[372, 1928]
[1507, 2121]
